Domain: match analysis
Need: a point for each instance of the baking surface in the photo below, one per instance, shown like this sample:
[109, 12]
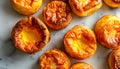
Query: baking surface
[11, 58]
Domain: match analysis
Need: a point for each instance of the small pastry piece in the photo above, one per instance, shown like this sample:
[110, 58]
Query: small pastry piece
[54, 59]
[113, 3]
[85, 7]
[26, 7]
[30, 35]
[81, 65]
[80, 42]
[61, 0]
[114, 59]
[107, 31]
[57, 15]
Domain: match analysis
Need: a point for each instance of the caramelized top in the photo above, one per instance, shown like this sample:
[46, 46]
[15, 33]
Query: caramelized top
[54, 59]
[57, 12]
[116, 1]
[30, 34]
[107, 31]
[81, 65]
[25, 3]
[83, 5]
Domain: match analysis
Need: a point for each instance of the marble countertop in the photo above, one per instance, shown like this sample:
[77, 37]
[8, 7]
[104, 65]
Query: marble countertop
[11, 58]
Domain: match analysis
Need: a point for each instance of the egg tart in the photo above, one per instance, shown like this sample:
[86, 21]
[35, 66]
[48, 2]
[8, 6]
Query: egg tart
[26, 7]
[30, 34]
[107, 30]
[114, 59]
[54, 59]
[57, 15]
[113, 3]
[81, 65]
[85, 7]
[80, 42]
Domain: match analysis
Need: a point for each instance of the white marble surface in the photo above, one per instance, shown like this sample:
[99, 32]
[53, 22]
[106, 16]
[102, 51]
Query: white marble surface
[11, 58]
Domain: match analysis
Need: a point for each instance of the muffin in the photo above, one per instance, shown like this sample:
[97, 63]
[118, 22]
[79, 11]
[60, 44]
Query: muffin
[30, 34]
[85, 7]
[107, 30]
[54, 59]
[81, 65]
[80, 42]
[113, 3]
[114, 59]
[57, 15]
[26, 7]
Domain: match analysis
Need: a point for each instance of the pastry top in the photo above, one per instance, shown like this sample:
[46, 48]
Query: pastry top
[30, 34]
[54, 59]
[80, 42]
[114, 59]
[26, 7]
[83, 5]
[81, 65]
[107, 31]
[113, 3]
[57, 15]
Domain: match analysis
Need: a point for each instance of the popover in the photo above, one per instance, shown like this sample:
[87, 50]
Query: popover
[81, 65]
[85, 7]
[80, 42]
[114, 59]
[26, 7]
[30, 34]
[54, 59]
[113, 3]
[57, 15]
[107, 30]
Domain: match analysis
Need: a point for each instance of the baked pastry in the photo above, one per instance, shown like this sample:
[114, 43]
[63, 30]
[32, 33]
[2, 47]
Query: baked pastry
[30, 34]
[57, 15]
[85, 7]
[80, 42]
[107, 31]
[114, 59]
[54, 59]
[61, 0]
[26, 7]
[113, 3]
[81, 65]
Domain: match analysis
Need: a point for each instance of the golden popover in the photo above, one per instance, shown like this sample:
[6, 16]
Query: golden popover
[57, 15]
[114, 59]
[30, 34]
[113, 3]
[80, 42]
[85, 7]
[54, 59]
[107, 30]
[81, 65]
[26, 7]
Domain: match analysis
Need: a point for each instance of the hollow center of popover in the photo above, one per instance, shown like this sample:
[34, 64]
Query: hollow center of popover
[30, 35]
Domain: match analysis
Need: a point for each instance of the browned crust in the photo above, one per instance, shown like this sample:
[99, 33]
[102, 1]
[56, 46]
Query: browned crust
[57, 15]
[54, 56]
[81, 65]
[81, 35]
[107, 31]
[114, 59]
[30, 22]
[80, 7]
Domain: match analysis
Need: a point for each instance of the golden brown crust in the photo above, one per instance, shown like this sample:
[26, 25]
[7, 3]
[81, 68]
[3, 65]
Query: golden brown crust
[57, 15]
[81, 65]
[26, 7]
[85, 7]
[54, 59]
[113, 3]
[114, 59]
[107, 31]
[30, 35]
[80, 42]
